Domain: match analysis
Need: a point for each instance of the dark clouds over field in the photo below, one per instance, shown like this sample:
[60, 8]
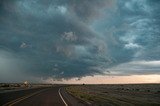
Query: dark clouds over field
[76, 38]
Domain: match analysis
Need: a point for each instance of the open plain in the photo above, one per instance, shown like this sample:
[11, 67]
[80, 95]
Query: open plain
[118, 94]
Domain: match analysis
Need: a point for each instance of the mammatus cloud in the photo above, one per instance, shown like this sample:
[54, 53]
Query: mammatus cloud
[67, 39]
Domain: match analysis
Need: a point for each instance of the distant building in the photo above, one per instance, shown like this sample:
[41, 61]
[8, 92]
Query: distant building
[26, 83]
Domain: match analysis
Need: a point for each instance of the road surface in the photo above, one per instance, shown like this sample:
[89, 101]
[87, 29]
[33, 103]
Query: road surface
[53, 96]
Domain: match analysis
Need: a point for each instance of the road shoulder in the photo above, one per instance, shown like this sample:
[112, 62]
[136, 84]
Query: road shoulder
[71, 100]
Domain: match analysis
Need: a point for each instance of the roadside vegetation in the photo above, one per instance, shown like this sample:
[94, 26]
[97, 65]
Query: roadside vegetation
[17, 86]
[115, 95]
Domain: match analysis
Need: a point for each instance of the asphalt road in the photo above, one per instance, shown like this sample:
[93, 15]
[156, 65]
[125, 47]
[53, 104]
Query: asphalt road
[53, 96]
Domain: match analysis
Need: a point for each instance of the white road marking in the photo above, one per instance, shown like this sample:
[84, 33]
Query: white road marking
[62, 97]
[22, 98]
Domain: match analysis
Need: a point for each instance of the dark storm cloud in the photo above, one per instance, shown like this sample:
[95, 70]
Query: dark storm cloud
[66, 39]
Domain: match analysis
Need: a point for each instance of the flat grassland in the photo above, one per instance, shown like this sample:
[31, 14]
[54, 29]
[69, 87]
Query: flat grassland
[19, 86]
[118, 94]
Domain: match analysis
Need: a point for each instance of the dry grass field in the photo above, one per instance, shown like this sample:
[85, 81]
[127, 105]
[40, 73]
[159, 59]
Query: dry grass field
[19, 86]
[118, 95]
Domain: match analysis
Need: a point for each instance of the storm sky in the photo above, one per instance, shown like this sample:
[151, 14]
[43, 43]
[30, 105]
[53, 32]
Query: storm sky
[64, 39]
